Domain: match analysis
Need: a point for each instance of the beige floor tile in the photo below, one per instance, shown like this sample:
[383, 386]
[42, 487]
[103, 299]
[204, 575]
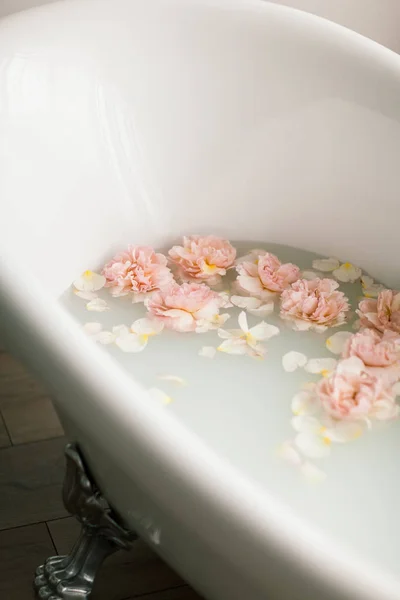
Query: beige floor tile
[16, 383]
[30, 483]
[22, 550]
[125, 574]
[31, 420]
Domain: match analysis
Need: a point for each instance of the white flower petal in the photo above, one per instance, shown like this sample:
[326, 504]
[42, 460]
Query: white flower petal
[263, 310]
[250, 284]
[313, 446]
[263, 331]
[300, 325]
[304, 402]
[247, 302]
[89, 281]
[326, 264]
[396, 389]
[335, 343]
[347, 273]
[344, 432]
[97, 305]
[85, 295]
[228, 334]
[293, 360]
[320, 365]
[351, 365]
[312, 472]
[120, 330]
[227, 300]
[242, 320]
[306, 424]
[289, 453]
[131, 342]
[371, 289]
[147, 327]
[233, 346]
[207, 351]
[173, 379]
[356, 325]
[310, 275]
[92, 328]
[104, 337]
[159, 396]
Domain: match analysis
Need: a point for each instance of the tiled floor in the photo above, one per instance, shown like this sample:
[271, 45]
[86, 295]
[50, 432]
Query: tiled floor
[33, 521]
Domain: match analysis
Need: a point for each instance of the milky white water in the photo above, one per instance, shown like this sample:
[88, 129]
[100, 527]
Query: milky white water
[241, 407]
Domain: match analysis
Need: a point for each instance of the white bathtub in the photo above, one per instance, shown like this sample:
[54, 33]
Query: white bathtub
[144, 120]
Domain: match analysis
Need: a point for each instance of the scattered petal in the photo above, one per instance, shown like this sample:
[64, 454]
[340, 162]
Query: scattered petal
[347, 273]
[262, 331]
[85, 295]
[247, 302]
[207, 351]
[97, 305]
[310, 275]
[305, 402]
[293, 360]
[131, 343]
[351, 365]
[242, 320]
[289, 453]
[227, 300]
[344, 431]
[159, 396]
[89, 281]
[95, 331]
[371, 289]
[335, 343]
[92, 328]
[322, 366]
[173, 379]
[147, 327]
[313, 446]
[263, 310]
[105, 337]
[326, 264]
[233, 346]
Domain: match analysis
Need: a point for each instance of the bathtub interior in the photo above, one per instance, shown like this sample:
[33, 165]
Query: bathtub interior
[257, 124]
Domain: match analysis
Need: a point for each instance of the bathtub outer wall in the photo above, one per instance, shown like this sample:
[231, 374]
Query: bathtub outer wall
[147, 120]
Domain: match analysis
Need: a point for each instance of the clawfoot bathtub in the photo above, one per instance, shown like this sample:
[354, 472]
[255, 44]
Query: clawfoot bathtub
[140, 121]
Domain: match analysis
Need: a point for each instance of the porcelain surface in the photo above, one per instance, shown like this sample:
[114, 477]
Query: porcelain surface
[147, 120]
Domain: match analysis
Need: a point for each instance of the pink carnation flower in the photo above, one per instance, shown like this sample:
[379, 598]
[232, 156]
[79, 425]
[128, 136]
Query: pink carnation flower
[186, 307]
[380, 354]
[382, 313]
[351, 393]
[204, 258]
[265, 274]
[316, 303]
[138, 270]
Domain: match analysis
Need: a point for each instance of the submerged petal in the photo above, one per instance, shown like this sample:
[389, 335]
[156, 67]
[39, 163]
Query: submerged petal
[242, 320]
[263, 331]
[347, 273]
[304, 402]
[97, 305]
[312, 472]
[293, 360]
[147, 327]
[233, 346]
[159, 396]
[131, 342]
[320, 365]
[85, 295]
[263, 310]
[173, 379]
[247, 302]
[89, 281]
[207, 351]
[312, 445]
[335, 343]
[326, 264]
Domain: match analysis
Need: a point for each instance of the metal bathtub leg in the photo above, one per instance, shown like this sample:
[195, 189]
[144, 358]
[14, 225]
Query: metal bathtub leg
[72, 577]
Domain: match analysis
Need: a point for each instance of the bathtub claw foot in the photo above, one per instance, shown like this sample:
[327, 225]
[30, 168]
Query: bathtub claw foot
[72, 577]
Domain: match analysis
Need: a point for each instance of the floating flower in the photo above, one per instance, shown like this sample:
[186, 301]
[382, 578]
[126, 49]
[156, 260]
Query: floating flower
[371, 289]
[346, 272]
[97, 305]
[265, 275]
[374, 349]
[314, 304]
[291, 455]
[314, 436]
[246, 340]
[208, 351]
[383, 313]
[138, 270]
[135, 338]
[305, 402]
[204, 258]
[187, 307]
[88, 283]
[96, 333]
[321, 366]
[253, 305]
[293, 360]
[337, 341]
[351, 393]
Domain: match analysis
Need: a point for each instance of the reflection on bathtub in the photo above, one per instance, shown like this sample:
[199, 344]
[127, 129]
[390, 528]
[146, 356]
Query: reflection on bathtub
[218, 331]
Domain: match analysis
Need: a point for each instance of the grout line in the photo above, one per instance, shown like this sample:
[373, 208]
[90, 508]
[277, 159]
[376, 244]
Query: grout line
[155, 592]
[6, 430]
[31, 443]
[21, 526]
[51, 537]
